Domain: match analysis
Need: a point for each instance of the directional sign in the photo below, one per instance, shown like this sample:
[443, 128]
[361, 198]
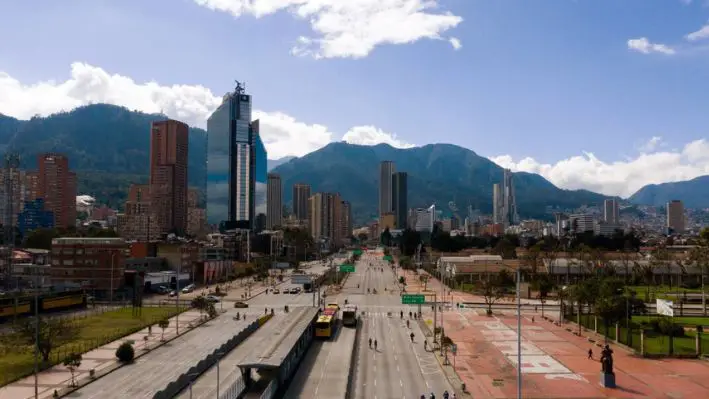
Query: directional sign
[454, 349]
[412, 299]
[388, 258]
[345, 268]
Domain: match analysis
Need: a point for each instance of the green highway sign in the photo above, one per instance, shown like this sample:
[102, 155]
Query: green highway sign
[411, 299]
[347, 268]
[389, 258]
[357, 252]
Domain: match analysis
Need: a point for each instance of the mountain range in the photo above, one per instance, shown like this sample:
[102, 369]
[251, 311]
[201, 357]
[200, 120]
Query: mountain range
[108, 146]
[437, 174]
[693, 193]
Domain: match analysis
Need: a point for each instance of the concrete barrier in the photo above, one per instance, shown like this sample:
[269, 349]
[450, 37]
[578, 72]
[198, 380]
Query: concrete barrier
[183, 381]
[353, 360]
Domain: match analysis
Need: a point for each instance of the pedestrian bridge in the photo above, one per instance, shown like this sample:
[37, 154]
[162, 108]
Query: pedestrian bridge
[267, 370]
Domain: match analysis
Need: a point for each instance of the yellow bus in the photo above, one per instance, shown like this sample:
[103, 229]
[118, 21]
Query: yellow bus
[325, 327]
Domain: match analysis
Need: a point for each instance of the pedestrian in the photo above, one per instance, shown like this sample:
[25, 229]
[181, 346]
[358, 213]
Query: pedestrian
[590, 353]
[532, 319]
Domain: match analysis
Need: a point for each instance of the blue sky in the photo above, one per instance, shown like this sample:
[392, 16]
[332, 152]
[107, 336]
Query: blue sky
[601, 94]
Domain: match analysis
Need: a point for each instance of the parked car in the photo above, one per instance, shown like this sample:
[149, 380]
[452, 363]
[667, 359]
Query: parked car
[173, 293]
[212, 298]
[276, 291]
[286, 290]
[241, 304]
[188, 289]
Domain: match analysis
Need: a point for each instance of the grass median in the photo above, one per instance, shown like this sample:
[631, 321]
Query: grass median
[17, 361]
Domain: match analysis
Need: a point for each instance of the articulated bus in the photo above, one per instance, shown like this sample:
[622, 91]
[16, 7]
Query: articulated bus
[327, 322]
[349, 316]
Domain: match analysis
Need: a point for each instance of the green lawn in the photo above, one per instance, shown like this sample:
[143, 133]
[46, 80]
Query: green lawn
[95, 330]
[689, 321]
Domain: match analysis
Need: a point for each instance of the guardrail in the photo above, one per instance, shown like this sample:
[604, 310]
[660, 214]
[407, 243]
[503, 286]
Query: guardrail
[353, 360]
[183, 381]
[270, 390]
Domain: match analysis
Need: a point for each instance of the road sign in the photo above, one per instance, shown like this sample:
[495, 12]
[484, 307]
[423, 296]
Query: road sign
[388, 258]
[454, 349]
[301, 279]
[412, 299]
[345, 268]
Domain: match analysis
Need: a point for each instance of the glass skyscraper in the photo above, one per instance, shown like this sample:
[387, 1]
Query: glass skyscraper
[260, 178]
[232, 157]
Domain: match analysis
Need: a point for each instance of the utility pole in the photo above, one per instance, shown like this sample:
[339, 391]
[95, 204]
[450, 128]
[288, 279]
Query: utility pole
[519, 335]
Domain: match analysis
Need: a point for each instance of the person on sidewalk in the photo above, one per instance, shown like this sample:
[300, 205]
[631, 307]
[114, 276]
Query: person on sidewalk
[590, 353]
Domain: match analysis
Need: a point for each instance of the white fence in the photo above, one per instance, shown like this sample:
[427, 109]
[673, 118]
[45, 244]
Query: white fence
[270, 390]
[234, 390]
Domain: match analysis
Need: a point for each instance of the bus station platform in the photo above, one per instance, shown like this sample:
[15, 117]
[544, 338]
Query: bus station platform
[275, 363]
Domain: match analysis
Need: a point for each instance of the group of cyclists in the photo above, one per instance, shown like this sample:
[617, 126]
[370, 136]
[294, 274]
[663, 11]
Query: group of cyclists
[446, 395]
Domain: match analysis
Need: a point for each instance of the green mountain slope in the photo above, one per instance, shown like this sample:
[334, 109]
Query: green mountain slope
[108, 147]
[694, 193]
[438, 173]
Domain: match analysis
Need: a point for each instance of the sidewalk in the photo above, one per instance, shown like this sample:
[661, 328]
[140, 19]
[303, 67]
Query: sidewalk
[103, 359]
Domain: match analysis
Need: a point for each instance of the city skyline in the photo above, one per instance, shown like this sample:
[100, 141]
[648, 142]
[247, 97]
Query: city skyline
[597, 100]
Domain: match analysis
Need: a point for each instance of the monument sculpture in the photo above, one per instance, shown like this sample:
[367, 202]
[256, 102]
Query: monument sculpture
[607, 374]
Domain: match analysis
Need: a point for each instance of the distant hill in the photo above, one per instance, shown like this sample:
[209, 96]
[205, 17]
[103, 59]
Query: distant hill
[438, 173]
[108, 147]
[693, 193]
[274, 163]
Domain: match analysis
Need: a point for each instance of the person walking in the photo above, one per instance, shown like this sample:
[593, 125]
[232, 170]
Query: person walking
[590, 354]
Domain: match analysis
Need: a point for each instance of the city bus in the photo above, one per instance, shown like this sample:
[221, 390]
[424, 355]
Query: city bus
[326, 323]
[349, 316]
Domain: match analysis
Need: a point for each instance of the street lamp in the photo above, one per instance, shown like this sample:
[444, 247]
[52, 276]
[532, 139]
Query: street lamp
[219, 358]
[113, 254]
[192, 377]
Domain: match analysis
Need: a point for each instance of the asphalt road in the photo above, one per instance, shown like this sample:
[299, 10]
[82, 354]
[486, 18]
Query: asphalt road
[397, 369]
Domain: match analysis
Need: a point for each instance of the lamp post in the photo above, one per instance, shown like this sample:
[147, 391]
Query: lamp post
[113, 254]
[519, 334]
[36, 332]
[219, 358]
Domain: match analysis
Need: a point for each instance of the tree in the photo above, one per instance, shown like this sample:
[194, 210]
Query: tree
[661, 258]
[52, 333]
[200, 303]
[41, 238]
[700, 257]
[385, 238]
[504, 248]
[543, 284]
[409, 242]
[424, 280]
[73, 362]
[492, 289]
[125, 352]
[163, 324]
[211, 310]
[610, 304]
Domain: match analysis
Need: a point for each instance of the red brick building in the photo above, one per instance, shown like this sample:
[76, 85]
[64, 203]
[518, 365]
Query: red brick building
[168, 175]
[56, 184]
[95, 264]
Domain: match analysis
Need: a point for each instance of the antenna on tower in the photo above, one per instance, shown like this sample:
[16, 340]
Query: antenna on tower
[240, 87]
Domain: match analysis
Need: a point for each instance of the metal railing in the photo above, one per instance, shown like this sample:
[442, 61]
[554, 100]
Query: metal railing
[235, 389]
[270, 390]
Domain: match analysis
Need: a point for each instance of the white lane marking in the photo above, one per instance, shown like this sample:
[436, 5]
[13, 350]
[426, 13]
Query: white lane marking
[322, 374]
[401, 383]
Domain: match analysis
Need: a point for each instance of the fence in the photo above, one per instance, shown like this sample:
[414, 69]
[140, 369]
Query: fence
[183, 381]
[235, 389]
[644, 339]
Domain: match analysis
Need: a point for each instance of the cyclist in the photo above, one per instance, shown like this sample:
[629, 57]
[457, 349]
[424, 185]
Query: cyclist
[407, 324]
[370, 343]
[375, 344]
[402, 314]
[412, 337]
[446, 394]
[409, 315]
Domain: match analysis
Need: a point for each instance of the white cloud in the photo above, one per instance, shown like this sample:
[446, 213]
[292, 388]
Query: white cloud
[643, 45]
[651, 145]
[371, 135]
[621, 177]
[283, 135]
[702, 33]
[350, 28]
[455, 42]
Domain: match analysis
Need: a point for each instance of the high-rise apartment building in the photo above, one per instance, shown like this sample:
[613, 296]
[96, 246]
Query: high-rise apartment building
[12, 194]
[345, 220]
[274, 216]
[675, 217]
[498, 204]
[611, 211]
[386, 172]
[509, 201]
[425, 219]
[326, 217]
[169, 142]
[260, 160]
[57, 186]
[235, 154]
[399, 191]
[301, 207]
[138, 222]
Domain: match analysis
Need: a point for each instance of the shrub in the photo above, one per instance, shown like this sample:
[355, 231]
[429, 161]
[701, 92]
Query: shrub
[125, 353]
[666, 327]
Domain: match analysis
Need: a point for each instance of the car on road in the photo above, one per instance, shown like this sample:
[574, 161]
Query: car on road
[173, 293]
[295, 290]
[286, 290]
[241, 304]
[188, 289]
[212, 298]
[276, 291]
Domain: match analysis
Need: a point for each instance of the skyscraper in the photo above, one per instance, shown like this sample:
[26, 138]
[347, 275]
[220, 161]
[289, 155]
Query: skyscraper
[231, 162]
[57, 186]
[386, 170]
[675, 216]
[274, 216]
[301, 194]
[611, 211]
[345, 220]
[399, 191]
[510, 216]
[168, 175]
[326, 217]
[497, 204]
[259, 158]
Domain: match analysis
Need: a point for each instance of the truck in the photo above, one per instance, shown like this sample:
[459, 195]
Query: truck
[308, 287]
